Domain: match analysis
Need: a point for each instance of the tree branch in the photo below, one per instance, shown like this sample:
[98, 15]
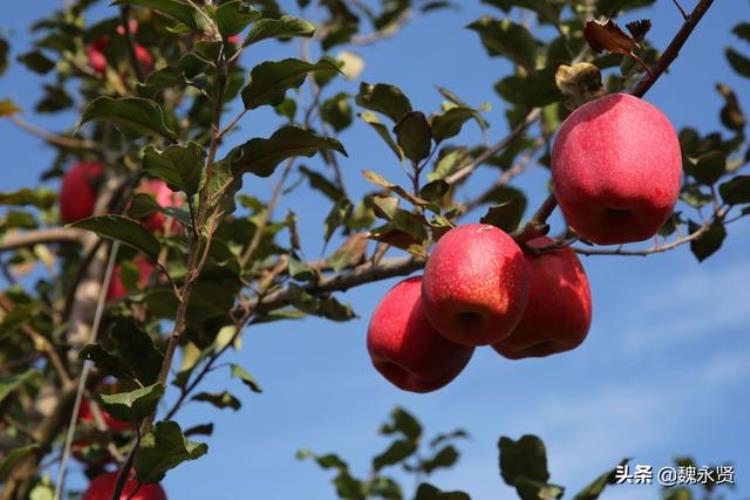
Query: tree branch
[54, 139]
[16, 240]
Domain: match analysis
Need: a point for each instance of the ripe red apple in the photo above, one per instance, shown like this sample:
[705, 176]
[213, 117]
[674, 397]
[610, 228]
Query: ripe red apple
[165, 197]
[117, 289]
[98, 60]
[476, 285]
[616, 168]
[102, 487]
[78, 191]
[406, 349]
[86, 416]
[558, 314]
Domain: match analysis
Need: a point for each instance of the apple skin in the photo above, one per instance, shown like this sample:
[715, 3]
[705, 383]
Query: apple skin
[102, 487]
[406, 349]
[86, 416]
[78, 191]
[476, 285]
[165, 197]
[558, 314]
[616, 169]
[98, 60]
[117, 289]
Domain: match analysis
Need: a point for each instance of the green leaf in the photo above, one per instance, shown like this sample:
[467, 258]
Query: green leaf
[449, 123]
[739, 62]
[36, 61]
[507, 39]
[426, 491]
[337, 111]
[736, 191]
[283, 27]
[530, 91]
[709, 242]
[322, 184]
[598, 485]
[742, 30]
[270, 80]
[414, 135]
[179, 166]
[383, 98]
[236, 371]
[133, 406]
[185, 12]
[446, 457]
[404, 423]
[107, 362]
[379, 180]
[234, 16]
[523, 464]
[709, 168]
[262, 156]
[506, 216]
[8, 462]
[220, 400]
[547, 12]
[123, 229]
[397, 452]
[132, 115]
[163, 449]
[42, 198]
[8, 384]
[372, 120]
[136, 347]
[4, 49]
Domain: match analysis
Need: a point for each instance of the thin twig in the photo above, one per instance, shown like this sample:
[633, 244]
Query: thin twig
[54, 139]
[679, 7]
[16, 240]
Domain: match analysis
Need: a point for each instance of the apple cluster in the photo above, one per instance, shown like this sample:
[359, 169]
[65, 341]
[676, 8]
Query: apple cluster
[616, 172]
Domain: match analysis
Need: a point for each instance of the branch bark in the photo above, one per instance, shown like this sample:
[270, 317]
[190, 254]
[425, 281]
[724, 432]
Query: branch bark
[16, 240]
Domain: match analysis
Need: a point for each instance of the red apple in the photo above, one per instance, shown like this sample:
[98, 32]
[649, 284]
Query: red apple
[117, 289]
[476, 285]
[406, 349]
[95, 54]
[86, 416]
[144, 57]
[92, 438]
[616, 168]
[102, 487]
[165, 197]
[78, 191]
[558, 314]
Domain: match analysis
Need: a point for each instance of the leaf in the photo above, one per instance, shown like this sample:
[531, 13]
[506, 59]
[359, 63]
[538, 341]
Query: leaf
[123, 229]
[322, 184]
[136, 347]
[234, 16]
[546, 11]
[8, 462]
[8, 384]
[709, 242]
[579, 83]
[270, 80]
[202, 429]
[738, 62]
[132, 115]
[449, 123]
[337, 111]
[41, 198]
[404, 423]
[163, 449]
[598, 485]
[731, 113]
[709, 168]
[537, 89]
[185, 12]
[350, 254]
[506, 216]
[179, 166]
[446, 457]
[379, 180]
[36, 61]
[507, 39]
[383, 98]
[426, 491]
[133, 406]
[525, 458]
[4, 49]
[262, 156]
[608, 36]
[372, 120]
[107, 362]
[283, 27]
[337, 217]
[742, 30]
[414, 135]
[736, 191]
[7, 108]
[220, 400]
[236, 371]
[638, 29]
[397, 452]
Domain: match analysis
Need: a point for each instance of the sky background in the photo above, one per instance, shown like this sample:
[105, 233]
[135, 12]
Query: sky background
[664, 371]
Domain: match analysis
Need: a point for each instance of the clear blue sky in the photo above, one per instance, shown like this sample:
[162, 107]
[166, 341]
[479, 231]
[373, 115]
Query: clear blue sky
[663, 372]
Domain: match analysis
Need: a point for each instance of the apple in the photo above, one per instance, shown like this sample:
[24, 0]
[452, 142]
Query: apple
[165, 197]
[117, 289]
[78, 191]
[91, 437]
[86, 417]
[616, 169]
[406, 349]
[102, 487]
[476, 285]
[98, 60]
[558, 314]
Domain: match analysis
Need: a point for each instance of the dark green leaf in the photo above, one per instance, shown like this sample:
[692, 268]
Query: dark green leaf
[42, 198]
[135, 405]
[337, 111]
[427, 491]
[220, 400]
[14, 456]
[10, 383]
[507, 39]
[163, 449]
[372, 120]
[709, 168]
[742, 30]
[506, 216]
[736, 191]
[262, 156]
[446, 457]
[525, 458]
[283, 27]
[132, 115]
[322, 184]
[530, 91]
[4, 49]
[449, 123]
[185, 12]
[404, 423]
[236, 371]
[234, 16]
[610, 8]
[121, 228]
[694, 196]
[107, 362]
[598, 485]
[179, 166]
[397, 452]
[414, 135]
[547, 11]
[55, 99]
[739, 62]
[383, 98]
[36, 61]
[137, 349]
[201, 429]
[709, 242]
[337, 217]
[270, 80]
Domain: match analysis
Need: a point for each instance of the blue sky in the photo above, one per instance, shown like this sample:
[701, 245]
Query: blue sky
[664, 371]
